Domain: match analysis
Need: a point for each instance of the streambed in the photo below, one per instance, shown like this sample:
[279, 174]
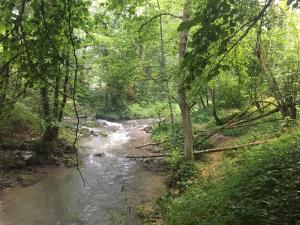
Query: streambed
[115, 185]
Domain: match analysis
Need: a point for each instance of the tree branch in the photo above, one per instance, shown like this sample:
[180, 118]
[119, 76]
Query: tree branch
[157, 16]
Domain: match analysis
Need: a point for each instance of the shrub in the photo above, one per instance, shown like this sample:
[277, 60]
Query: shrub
[261, 187]
[19, 119]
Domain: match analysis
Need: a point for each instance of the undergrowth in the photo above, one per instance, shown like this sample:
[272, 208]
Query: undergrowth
[260, 186]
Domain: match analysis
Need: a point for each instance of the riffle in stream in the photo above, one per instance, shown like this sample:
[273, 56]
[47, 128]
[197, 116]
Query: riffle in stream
[115, 185]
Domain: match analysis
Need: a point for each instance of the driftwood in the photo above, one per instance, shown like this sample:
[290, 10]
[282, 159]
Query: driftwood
[230, 147]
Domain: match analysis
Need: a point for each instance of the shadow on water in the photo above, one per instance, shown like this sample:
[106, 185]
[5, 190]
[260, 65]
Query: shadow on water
[115, 185]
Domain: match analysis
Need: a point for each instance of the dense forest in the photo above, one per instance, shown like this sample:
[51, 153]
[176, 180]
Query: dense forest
[220, 80]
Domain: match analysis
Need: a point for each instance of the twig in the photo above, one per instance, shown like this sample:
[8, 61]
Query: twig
[74, 89]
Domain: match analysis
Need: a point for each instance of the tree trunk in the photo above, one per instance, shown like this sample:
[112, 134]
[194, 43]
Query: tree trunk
[65, 89]
[214, 109]
[162, 72]
[182, 98]
[55, 127]
[49, 134]
[187, 125]
[273, 85]
[4, 74]
[202, 103]
[4, 81]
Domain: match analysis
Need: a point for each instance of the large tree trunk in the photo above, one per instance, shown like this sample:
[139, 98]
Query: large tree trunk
[49, 133]
[187, 125]
[182, 98]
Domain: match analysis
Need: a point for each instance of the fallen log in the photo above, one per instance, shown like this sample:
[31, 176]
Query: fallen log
[151, 144]
[202, 151]
[229, 148]
[145, 156]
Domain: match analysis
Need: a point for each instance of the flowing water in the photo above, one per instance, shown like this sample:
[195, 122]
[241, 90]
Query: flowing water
[115, 185]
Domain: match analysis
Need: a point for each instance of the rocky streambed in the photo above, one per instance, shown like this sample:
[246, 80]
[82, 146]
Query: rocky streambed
[118, 190]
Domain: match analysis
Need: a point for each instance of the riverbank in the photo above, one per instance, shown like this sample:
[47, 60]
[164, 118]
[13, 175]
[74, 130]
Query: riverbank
[254, 183]
[20, 161]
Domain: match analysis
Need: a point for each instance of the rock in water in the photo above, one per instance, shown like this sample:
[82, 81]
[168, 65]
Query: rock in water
[100, 154]
[147, 129]
[94, 133]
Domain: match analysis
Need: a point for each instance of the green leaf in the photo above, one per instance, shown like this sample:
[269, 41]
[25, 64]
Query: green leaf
[2, 29]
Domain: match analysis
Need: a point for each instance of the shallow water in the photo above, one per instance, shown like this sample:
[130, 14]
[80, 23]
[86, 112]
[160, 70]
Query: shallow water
[115, 185]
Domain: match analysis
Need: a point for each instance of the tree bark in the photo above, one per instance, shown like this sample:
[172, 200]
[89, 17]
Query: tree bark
[272, 83]
[49, 134]
[182, 98]
[214, 109]
[202, 102]
[163, 72]
[65, 89]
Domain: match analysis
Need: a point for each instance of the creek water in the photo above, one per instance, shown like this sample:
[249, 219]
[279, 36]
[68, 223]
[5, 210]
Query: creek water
[116, 186]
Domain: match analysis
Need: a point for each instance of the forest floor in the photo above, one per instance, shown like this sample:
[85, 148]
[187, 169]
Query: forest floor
[214, 159]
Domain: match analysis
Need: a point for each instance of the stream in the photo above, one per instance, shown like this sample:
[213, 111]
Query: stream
[116, 186]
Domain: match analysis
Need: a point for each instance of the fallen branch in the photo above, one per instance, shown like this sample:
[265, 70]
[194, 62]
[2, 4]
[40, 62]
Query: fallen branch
[234, 122]
[229, 148]
[200, 152]
[152, 144]
[145, 156]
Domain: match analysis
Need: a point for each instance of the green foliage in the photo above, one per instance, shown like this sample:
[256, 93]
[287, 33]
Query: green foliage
[184, 170]
[263, 130]
[19, 120]
[217, 23]
[149, 109]
[260, 187]
[164, 132]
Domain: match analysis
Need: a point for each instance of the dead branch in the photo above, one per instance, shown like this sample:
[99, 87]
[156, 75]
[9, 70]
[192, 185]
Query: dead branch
[230, 148]
[152, 144]
[234, 122]
[256, 117]
[145, 156]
